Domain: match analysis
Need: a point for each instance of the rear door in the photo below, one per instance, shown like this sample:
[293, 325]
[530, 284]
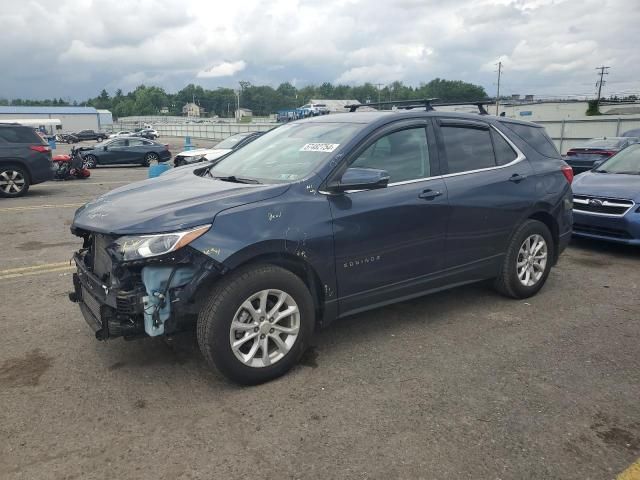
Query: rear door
[490, 188]
[389, 242]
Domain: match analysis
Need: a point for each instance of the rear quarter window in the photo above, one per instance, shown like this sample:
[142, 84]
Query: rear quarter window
[19, 135]
[536, 137]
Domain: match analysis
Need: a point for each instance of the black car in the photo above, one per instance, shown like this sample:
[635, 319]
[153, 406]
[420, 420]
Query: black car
[595, 151]
[83, 135]
[320, 219]
[67, 138]
[24, 159]
[126, 150]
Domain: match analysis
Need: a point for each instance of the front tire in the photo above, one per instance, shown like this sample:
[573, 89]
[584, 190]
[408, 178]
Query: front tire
[90, 161]
[527, 262]
[256, 324]
[14, 181]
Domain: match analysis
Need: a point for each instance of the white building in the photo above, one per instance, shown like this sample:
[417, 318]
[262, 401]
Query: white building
[192, 110]
[71, 119]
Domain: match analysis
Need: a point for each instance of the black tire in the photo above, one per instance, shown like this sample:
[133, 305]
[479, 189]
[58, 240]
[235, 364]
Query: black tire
[508, 283]
[90, 161]
[149, 157]
[14, 181]
[214, 321]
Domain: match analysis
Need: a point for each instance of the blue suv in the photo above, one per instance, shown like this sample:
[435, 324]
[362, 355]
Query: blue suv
[317, 220]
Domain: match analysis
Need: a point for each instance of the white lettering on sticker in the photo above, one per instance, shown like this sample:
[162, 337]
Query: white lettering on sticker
[320, 147]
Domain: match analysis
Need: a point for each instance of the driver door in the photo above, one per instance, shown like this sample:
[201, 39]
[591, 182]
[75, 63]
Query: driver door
[116, 152]
[390, 242]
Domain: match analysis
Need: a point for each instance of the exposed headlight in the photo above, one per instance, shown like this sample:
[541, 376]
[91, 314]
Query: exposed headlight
[134, 247]
[196, 158]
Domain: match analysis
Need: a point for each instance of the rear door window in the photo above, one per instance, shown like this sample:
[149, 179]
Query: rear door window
[19, 135]
[467, 148]
[536, 137]
[504, 153]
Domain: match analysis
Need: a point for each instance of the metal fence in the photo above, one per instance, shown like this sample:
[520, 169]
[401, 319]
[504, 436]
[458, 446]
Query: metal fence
[211, 131]
[568, 134]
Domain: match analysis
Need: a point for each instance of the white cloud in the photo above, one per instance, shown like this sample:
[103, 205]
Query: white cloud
[77, 47]
[224, 69]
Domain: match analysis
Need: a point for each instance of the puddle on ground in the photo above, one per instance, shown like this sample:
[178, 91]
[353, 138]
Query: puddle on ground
[24, 371]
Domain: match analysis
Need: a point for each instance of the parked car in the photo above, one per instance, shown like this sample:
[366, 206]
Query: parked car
[314, 109]
[596, 150]
[25, 159]
[126, 150]
[632, 133]
[122, 133]
[145, 133]
[606, 199]
[227, 145]
[317, 220]
[66, 138]
[83, 135]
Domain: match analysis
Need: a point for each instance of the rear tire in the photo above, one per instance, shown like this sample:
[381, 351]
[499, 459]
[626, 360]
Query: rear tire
[14, 181]
[527, 262]
[236, 311]
[149, 157]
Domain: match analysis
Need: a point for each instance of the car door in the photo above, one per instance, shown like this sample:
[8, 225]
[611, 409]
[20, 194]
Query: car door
[115, 153]
[137, 150]
[389, 242]
[490, 187]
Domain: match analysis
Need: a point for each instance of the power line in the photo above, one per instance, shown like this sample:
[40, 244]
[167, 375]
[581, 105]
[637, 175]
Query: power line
[603, 71]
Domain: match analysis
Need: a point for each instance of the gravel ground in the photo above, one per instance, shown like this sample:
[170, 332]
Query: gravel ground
[463, 384]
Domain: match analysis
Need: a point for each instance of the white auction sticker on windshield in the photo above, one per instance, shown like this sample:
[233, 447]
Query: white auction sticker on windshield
[320, 147]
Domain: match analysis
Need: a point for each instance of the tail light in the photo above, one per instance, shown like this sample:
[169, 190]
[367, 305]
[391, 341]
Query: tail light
[40, 148]
[607, 153]
[567, 171]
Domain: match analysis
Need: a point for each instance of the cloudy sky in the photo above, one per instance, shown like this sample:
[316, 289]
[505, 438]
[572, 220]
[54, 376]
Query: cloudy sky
[74, 48]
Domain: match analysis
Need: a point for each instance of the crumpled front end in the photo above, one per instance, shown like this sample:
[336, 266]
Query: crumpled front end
[152, 296]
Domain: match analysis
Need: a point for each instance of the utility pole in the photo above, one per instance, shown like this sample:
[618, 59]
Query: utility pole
[601, 82]
[378, 85]
[498, 92]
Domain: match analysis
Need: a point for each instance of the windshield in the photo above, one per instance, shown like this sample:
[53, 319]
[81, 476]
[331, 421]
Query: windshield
[604, 143]
[287, 153]
[627, 161]
[231, 142]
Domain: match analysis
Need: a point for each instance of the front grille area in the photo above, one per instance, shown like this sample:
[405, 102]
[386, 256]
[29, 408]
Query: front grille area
[615, 207]
[602, 231]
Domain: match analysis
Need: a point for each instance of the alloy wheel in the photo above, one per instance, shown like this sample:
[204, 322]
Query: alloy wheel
[532, 260]
[12, 182]
[264, 328]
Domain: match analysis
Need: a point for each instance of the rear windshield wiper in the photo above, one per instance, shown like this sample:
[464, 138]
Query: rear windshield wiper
[234, 179]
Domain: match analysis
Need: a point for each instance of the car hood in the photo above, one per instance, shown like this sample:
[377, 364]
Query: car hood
[613, 185]
[195, 152]
[167, 203]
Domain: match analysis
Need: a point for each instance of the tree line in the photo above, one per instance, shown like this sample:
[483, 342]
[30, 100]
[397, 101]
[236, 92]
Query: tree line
[261, 99]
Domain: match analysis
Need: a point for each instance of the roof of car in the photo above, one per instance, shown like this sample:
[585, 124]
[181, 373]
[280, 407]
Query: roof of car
[374, 117]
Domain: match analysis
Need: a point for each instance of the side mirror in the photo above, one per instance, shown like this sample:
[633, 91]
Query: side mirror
[360, 179]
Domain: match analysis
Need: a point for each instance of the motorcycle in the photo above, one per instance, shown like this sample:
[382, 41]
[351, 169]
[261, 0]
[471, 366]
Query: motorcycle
[71, 167]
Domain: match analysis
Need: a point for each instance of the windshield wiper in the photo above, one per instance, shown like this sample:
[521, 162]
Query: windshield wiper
[234, 179]
[628, 173]
[601, 171]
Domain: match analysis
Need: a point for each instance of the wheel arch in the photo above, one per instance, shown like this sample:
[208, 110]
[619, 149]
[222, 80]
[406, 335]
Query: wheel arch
[299, 267]
[16, 162]
[545, 217]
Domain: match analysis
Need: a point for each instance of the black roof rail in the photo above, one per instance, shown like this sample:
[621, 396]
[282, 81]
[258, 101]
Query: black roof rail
[478, 103]
[426, 103]
[400, 104]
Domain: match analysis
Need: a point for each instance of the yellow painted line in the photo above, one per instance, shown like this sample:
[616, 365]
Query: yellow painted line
[44, 266]
[60, 184]
[40, 207]
[36, 272]
[631, 473]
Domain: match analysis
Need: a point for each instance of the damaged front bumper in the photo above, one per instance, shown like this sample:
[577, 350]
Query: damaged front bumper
[151, 297]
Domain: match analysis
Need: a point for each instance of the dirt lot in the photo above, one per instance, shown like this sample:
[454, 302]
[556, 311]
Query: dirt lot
[461, 384]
